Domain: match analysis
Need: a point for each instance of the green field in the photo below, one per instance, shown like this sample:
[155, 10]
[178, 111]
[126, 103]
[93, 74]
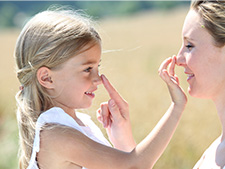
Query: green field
[133, 48]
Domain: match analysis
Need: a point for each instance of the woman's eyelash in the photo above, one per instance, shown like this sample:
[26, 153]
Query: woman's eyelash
[189, 46]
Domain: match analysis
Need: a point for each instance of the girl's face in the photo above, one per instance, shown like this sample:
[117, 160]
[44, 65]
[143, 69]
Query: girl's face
[77, 79]
[203, 62]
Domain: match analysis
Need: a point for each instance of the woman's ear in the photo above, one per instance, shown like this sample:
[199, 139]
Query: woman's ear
[44, 77]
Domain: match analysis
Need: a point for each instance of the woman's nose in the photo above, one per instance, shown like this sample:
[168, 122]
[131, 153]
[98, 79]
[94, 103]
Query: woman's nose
[181, 61]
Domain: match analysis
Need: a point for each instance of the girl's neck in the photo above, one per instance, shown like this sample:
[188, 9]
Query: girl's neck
[72, 113]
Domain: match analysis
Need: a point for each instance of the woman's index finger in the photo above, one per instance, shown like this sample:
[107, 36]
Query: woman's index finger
[165, 64]
[172, 66]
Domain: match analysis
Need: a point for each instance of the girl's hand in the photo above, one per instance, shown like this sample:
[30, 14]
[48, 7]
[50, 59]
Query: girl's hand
[114, 115]
[166, 72]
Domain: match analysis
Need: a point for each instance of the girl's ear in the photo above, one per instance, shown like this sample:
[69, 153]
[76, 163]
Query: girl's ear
[44, 78]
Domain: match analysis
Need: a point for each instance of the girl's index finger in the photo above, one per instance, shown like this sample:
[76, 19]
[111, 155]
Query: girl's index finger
[110, 89]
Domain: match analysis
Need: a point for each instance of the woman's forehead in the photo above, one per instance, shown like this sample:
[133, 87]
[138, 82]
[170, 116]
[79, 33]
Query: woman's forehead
[193, 28]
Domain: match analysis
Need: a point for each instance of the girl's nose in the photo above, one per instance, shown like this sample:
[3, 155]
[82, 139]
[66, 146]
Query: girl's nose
[181, 61]
[97, 79]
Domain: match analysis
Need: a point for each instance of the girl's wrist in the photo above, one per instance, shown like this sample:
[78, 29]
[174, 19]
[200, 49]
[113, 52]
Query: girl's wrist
[128, 147]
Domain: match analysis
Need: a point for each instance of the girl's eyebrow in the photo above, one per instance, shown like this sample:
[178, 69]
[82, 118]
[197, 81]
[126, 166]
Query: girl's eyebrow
[90, 62]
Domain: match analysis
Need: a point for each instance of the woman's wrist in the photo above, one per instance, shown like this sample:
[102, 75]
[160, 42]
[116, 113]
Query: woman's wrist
[178, 108]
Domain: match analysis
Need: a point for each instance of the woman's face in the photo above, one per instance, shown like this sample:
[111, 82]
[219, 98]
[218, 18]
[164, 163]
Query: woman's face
[203, 62]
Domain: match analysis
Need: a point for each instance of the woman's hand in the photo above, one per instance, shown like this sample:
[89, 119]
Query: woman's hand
[166, 72]
[114, 115]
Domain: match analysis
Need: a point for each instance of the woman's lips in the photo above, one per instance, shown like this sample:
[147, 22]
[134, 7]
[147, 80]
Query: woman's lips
[190, 76]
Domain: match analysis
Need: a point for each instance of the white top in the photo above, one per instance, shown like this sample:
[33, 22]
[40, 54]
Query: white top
[208, 159]
[57, 115]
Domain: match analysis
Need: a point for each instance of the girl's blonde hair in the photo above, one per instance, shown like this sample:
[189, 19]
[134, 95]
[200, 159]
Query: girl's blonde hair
[213, 15]
[49, 39]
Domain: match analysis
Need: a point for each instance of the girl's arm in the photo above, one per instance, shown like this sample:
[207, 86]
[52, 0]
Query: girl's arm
[75, 148]
[114, 114]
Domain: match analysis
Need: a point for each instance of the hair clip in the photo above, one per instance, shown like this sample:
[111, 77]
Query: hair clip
[31, 66]
[21, 87]
[203, 26]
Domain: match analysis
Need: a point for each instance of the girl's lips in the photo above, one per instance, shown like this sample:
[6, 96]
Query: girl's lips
[90, 94]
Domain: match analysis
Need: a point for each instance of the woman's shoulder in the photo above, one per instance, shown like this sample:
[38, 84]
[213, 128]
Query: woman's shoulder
[213, 157]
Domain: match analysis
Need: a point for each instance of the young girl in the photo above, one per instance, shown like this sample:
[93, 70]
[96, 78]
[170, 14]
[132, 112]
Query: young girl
[58, 55]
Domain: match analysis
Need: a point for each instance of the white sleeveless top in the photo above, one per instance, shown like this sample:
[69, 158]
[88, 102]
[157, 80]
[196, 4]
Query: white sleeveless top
[57, 115]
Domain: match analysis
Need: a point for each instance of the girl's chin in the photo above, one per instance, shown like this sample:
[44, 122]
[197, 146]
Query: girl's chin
[86, 106]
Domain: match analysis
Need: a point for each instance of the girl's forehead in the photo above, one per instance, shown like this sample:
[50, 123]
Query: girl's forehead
[88, 57]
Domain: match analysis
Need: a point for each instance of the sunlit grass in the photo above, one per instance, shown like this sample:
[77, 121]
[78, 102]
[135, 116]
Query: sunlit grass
[138, 45]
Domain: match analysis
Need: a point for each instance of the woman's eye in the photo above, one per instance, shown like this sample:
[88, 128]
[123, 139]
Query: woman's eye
[189, 46]
[88, 69]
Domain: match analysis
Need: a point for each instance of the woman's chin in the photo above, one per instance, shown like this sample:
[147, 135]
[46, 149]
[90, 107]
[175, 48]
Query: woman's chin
[196, 94]
[191, 92]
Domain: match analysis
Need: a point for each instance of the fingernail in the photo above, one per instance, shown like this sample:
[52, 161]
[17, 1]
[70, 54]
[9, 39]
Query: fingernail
[105, 124]
[102, 77]
[175, 58]
[112, 102]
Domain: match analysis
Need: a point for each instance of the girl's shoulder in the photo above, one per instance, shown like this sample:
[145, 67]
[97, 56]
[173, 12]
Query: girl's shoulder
[59, 145]
[57, 116]
[59, 113]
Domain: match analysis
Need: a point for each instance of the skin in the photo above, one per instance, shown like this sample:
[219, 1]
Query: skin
[64, 147]
[204, 63]
[72, 85]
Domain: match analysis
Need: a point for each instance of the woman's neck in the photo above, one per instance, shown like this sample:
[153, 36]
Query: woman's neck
[220, 106]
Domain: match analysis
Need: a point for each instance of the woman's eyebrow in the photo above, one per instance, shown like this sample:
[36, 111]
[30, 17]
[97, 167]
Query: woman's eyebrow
[188, 39]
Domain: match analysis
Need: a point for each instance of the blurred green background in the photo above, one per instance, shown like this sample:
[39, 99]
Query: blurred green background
[137, 37]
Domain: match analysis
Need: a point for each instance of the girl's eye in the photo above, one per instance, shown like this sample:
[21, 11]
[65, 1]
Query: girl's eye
[88, 69]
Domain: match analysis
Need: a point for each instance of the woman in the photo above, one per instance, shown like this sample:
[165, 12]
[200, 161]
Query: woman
[203, 57]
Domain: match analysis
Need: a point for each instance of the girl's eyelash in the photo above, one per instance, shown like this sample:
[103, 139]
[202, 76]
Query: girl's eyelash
[88, 69]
